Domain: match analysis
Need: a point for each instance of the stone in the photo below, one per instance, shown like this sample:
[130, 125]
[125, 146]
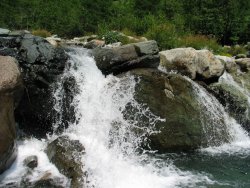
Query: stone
[147, 61]
[66, 154]
[228, 62]
[18, 33]
[41, 64]
[146, 48]
[31, 161]
[4, 32]
[94, 44]
[196, 64]
[244, 64]
[173, 98]
[235, 102]
[106, 58]
[239, 56]
[10, 94]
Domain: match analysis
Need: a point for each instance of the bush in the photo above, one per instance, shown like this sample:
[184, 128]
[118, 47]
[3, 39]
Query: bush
[41, 33]
[164, 34]
[200, 42]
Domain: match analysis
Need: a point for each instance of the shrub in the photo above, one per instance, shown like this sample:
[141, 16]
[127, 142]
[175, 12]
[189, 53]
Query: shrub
[200, 42]
[41, 33]
[164, 34]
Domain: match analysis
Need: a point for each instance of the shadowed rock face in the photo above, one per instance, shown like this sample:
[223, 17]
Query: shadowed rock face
[10, 94]
[172, 97]
[66, 154]
[41, 64]
[121, 59]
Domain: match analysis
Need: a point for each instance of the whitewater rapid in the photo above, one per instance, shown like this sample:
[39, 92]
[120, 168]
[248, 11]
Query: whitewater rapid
[113, 156]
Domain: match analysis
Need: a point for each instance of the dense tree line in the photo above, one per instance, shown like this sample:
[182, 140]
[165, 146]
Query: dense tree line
[227, 20]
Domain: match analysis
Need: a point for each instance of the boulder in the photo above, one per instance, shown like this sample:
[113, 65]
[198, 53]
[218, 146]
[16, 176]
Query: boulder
[228, 62]
[120, 59]
[173, 98]
[4, 32]
[146, 48]
[235, 101]
[239, 56]
[244, 63]
[66, 154]
[107, 58]
[41, 64]
[10, 94]
[197, 64]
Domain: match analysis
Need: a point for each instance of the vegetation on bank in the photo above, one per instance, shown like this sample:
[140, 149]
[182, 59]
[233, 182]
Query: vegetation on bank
[172, 23]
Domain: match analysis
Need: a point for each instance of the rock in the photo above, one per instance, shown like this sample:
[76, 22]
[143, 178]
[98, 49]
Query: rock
[31, 161]
[147, 61]
[244, 63]
[146, 48]
[173, 98]
[17, 33]
[197, 64]
[228, 62]
[94, 44]
[41, 65]
[10, 94]
[4, 32]
[239, 56]
[46, 180]
[114, 45]
[66, 154]
[54, 40]
[106, 58]
[235, 102]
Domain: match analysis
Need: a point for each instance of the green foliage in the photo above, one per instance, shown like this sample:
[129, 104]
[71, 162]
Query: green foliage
[111, 37]
[227, 20]
[164, 34]
[234, 50]
[200, 42]
[41, 33]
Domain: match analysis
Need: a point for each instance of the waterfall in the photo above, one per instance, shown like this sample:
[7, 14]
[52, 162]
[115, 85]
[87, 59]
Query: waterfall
[114, 158]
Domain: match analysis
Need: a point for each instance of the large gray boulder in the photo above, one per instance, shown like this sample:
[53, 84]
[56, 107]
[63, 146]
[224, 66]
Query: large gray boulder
[123, 58]
[197, 64]
[66, 154]
[173, 98]
[10, 93]
[244, 63]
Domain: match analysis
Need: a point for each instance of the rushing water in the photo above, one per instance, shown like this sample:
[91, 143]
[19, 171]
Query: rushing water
[112, 159]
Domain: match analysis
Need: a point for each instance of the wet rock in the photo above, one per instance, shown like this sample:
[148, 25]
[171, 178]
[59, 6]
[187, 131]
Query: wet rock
[31, 161]
[173, 98]
[41, 65]
[235, 102]
[18, 33]
[66, 154]
[45, 181]
[10, 94]
[197, 64]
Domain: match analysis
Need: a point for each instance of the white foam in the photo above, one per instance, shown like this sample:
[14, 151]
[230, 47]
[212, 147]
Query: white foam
[112, 158]
[17, 171]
